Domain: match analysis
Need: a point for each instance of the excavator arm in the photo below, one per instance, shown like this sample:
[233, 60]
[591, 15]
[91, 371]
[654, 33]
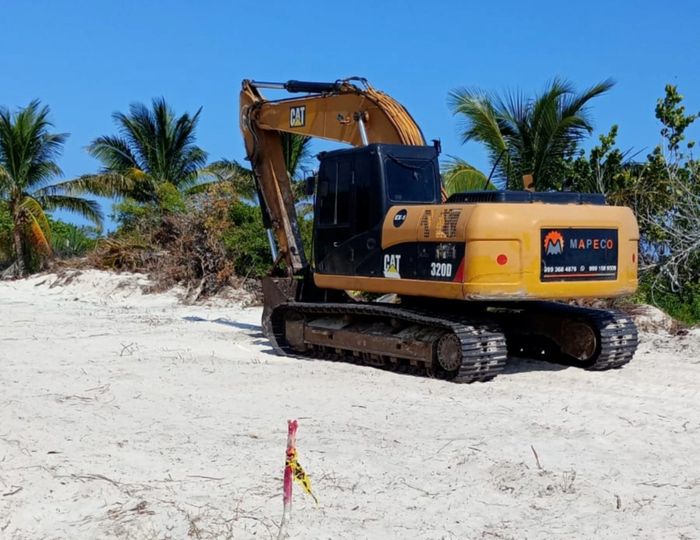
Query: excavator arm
[340, 111]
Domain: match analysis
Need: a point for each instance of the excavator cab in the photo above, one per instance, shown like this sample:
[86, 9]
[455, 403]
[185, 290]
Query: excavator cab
[355, 189]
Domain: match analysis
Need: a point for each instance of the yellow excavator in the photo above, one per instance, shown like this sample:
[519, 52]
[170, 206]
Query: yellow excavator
[473, 278]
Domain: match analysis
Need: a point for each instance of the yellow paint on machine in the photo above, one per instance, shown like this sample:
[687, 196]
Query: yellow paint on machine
[505, 230]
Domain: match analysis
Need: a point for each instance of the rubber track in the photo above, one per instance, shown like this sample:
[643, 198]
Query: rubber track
[618, 337]
[484, 349]
[617, 332]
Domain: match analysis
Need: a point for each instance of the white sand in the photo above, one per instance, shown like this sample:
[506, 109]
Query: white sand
[125, 415]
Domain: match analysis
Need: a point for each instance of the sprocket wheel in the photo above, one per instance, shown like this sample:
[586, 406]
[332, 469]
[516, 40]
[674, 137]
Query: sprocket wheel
[581, 341]
[449, 353]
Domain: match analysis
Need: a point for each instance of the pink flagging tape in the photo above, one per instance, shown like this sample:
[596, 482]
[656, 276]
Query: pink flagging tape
[292, 471]
[288, 463]
[288, 477]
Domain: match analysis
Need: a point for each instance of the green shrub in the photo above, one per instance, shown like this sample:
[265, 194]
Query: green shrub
[136, 216]
[6, 247]
[68, 240]
[169, 199]
[131, 215]
[683, 305]
[246, 241]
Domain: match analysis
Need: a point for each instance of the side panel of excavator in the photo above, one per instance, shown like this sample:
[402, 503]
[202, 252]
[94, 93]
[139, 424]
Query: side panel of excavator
[380, 226]
[500, 251]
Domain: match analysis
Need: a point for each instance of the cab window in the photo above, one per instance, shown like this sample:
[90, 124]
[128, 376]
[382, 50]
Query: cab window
[411, 180]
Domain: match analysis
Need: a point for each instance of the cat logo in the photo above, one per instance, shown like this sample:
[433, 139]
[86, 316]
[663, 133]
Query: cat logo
[297, 116]
[392, 268]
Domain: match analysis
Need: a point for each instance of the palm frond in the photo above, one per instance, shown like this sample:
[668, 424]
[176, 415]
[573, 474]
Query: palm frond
[138, 131]
[102, 185]
[459, 176]
[36, 224]
[480, 118]
[482, 122]
[31, 207]
[114, 153]
[296, 150]
[232, 172]
[38, 237]
[87, 208]
[576, 103]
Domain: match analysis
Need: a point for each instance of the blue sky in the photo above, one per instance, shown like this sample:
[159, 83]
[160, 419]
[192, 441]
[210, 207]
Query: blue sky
[87, 59]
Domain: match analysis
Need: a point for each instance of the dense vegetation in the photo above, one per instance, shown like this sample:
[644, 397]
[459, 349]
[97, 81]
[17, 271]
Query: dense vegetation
[192, 222]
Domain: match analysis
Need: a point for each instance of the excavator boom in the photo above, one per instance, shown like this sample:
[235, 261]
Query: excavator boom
[340, 111]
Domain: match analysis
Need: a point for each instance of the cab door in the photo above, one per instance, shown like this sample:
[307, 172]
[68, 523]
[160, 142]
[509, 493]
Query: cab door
[335, 206]
[348, 213]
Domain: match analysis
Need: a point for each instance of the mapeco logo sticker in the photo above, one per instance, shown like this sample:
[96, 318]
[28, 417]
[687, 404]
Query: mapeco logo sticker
[553, 243]
[578, 254]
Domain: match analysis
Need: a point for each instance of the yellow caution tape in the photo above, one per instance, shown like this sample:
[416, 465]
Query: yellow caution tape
[299, 474]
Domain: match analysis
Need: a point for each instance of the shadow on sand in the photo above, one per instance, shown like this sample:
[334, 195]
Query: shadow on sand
[514, 365]
[253, 330]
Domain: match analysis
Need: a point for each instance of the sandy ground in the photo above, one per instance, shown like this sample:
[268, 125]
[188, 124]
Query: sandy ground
[125, 415]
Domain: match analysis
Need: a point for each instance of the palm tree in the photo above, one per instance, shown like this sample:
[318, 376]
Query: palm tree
[527, 136]
[28, 153]
[296, 151]
[154, 147]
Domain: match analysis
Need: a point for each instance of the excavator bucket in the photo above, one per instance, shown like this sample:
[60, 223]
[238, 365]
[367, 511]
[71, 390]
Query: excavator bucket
[276, 291]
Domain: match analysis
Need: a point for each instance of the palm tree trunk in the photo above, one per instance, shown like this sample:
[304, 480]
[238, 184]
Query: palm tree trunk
[19, 246]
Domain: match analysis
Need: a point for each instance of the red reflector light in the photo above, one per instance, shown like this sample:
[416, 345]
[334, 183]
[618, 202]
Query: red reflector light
[634, 257]
[502, 259]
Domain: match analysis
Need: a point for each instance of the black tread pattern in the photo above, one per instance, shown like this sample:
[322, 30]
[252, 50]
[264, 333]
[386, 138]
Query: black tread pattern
[618, 339]
[484, 351]
[617, 333]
